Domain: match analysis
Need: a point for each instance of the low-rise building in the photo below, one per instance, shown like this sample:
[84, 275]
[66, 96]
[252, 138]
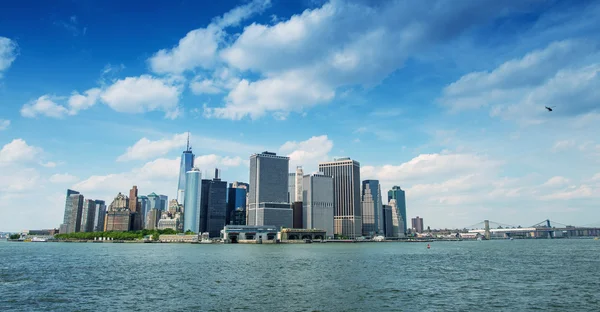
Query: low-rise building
[178, 238]
[249, 234]
[302, 234]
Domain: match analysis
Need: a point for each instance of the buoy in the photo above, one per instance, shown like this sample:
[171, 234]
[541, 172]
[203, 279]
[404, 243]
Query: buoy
[428, 247]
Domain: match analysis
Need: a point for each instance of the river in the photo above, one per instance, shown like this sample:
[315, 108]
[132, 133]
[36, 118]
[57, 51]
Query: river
[518, 275]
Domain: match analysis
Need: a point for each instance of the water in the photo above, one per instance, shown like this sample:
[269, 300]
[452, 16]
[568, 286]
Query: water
[519, 275]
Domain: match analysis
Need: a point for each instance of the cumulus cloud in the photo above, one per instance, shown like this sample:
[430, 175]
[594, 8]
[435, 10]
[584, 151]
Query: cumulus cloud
[8, 53]
[129, 95]
[4, 124]
[564, 74]
[199, 47]
[308, 153]
[44, 106]
[310, 55]
[211, 161]
[18, 151]
[146, 149]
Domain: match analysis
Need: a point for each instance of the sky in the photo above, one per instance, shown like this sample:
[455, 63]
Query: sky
[443, 98]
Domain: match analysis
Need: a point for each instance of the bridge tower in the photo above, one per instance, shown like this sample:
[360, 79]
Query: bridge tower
[487, 229]
[550, 232]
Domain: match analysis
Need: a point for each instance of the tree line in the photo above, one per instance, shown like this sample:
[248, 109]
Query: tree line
[130, 235]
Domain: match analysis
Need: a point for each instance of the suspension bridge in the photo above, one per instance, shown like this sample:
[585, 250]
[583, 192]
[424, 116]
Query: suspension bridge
[544, 229]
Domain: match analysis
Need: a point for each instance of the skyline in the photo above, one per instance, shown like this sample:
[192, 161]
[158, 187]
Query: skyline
[454, 117]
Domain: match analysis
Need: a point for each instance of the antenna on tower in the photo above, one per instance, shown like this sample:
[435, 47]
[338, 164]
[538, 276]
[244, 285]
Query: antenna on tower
[189, 148]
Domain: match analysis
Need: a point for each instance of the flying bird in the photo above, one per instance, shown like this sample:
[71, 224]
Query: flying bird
[549, 108]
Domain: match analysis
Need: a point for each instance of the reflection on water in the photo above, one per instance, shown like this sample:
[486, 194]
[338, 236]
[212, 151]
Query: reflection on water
[517, 275]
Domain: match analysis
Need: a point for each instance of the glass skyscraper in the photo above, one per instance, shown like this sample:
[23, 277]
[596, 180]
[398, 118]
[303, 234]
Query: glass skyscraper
[236, 199]
[192, 201]
[214, 206]
[186, 165]
[398, 194]
[347, 218]
[372, 213]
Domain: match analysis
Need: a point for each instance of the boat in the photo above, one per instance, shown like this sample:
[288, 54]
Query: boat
[39, 239]
[596, 238]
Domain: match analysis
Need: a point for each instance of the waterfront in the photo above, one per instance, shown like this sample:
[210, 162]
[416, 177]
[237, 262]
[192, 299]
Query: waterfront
[518, 275]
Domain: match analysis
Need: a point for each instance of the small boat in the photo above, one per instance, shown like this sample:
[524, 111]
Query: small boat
[39, 239]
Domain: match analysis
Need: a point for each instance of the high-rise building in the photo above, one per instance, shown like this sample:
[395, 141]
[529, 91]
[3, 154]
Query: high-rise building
[73, 212]
[214, 206]
[298, 221]
[398, 194]
[144, 208]
[154, 201]
[99, 215]
[164, 202]
[88, 215]
[152, 219]
[192, 201]
[318, 203]
[372, 214]
[236, 203]
[295, 185]
[417, 224]
[388, 222]
[134, 208]
[268, 197]
[186, 165]
[346, 189]
[118, 217]
[397, 221]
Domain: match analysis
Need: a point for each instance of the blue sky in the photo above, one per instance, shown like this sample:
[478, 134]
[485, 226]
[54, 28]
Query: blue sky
[444, 98]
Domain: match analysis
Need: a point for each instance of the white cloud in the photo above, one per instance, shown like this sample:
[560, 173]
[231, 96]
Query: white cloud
[206, 86]
[44, 105]
[78, 102]
[143, 94]
[199, 47]
[563, 145]
[8, 53]
[302, 61]
[4, 124]
[565, 74]
[212, 161]
[556, 182]
[308, 153]
[63, 178]
[18, 151]
[49, 164]
[18, 180]
[146, 149]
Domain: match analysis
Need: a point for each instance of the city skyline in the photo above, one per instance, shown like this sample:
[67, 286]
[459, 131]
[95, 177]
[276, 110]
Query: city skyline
[456, 118]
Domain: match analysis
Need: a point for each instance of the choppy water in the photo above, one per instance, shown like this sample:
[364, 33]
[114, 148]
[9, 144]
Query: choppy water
[519, 275]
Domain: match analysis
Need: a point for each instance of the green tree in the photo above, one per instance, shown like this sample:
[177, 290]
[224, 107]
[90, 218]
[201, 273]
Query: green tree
[14, 236]
[189, 232]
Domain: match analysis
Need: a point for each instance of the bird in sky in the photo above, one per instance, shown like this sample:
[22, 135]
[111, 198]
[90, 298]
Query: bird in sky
[550, 108]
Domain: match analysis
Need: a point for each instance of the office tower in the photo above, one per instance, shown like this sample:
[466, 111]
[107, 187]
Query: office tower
[371, 208]
[214, 206]
[118, 217]
[152, 219]
[236, 203]
[417, 224]
[154, 201]
[186, 165]
[318, 202]
[88, 215]
[99, 216]
[144, 208]
[67, 213]
[298, 217]
[291, 187]
[134, 208]
[299, 184]
[346, 189]
[388, 224]
[398, 194]
[397, 221]
[73, 212]
[192, 201]
[268, 196]
[164, 202]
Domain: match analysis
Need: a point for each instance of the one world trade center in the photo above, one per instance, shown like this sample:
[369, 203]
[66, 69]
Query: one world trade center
[187, 163]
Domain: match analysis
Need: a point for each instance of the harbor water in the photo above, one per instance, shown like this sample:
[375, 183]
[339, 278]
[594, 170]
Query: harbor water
[517, 275]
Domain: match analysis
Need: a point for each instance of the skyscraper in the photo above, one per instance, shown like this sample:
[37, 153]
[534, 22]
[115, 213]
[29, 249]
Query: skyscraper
[236, 199]
[388, 223]
[417, 224]
[88, 215]
[144, 208]
[371, 205]
[99, 216]
[346, 189]
[118, 217]
[164, 202]
[73, 212]
[318, 203]
[186, 165]
[268, 198]
[192, 201]
[398, 194]
[398, 229]
[214, 206]
[154, 201]
[295, 185]
[134, 207]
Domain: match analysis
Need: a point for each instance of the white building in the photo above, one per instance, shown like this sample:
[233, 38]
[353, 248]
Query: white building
[317, 203]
